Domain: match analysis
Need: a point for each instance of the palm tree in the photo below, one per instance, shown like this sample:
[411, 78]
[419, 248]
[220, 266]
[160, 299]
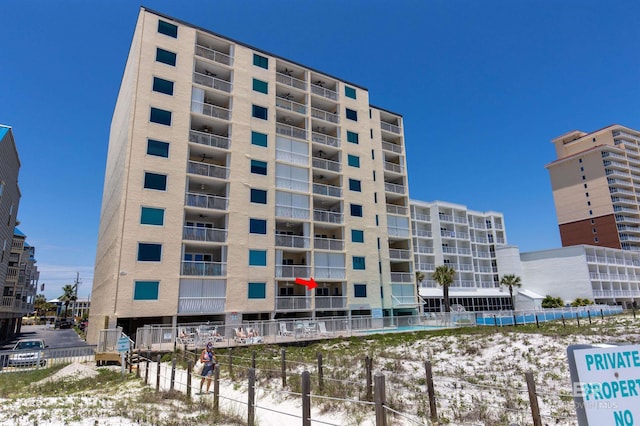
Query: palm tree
[511, 281]
[419, 277]
[444, 275]
[68, 296]
[40, 305]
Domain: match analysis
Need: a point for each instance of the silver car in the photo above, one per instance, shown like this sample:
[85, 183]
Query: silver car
[28, 352]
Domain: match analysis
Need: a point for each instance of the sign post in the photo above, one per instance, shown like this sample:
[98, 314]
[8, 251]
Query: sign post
[605, 383]
[123, 348]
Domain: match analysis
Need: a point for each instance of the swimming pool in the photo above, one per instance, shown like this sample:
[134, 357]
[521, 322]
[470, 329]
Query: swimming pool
[403, 328]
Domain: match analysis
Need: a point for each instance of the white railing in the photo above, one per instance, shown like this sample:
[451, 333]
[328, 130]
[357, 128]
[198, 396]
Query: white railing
[400, 254]
[214, 55]
[402, 277]
[422, 233]
[210, 170]
[293, 271]
[207, 269]
[395, 188]
[206, 201]
[327, 216]
[207, 305]
[331, 302]
[319, 90]
[325, 139]
[292, 157]
[328, 190]
[293, 184]
[211, 110]
[328, 244]
[395, 209]
[293, 241]
[195, 233]
[324, 115]
[390, 127]
[290, 105]
[421, 217]
[292, 212]
[209, 139]
[393, 167]
[322, 163]
[293, 303]
[291, 81]
[213, 82]
[388, 146]
[330, 272]
[294, 132]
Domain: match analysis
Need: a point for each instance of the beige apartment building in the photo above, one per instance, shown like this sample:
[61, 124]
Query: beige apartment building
[596, 184]
[231, 172]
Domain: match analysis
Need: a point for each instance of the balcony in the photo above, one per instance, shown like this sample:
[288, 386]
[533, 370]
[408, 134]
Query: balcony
[425, 267]
[327, 190]
[329, 273]
[210, 110]
[421, 217]
[402, 277]
[195, 233]
[211, 81]
[398, 210]
[395, 188]
[390, 127]
[325, 139]
[292, 184]
[325, 164]
[328, 244]
[291, 106]
[207, 305]
[206, 201]
[421, 233]
[423, 250]
[324, 115]
[293, 241]
[210, 170]
[204, 269]
[388, 146]
[292, 212]
[292, 271]
[396, 231]
[331, 302]
[291, 81]
[399, 254]
[319, 90]
[393, 167]
[213, 55]
[206, 138]
[615, 293]
[293, 303]
[291, 131]
[327, 216]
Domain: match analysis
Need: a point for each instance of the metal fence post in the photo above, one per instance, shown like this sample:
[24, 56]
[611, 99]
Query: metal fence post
[431, 392]
[379, 396]
[367, 367]
[189, 368]
[533, 399]
[251, 405]
[216, 388]
[253, 359]
[537, 323]
[578, 319]
[589, 316]
[320, 374]
[306, 399]
[283, 367]
[158, 358]
[146, 371]
[138, 364]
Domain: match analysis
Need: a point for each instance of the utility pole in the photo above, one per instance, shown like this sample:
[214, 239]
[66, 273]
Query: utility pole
[75, 296]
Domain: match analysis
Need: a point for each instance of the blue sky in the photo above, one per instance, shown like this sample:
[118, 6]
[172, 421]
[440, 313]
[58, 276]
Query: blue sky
[483, 87]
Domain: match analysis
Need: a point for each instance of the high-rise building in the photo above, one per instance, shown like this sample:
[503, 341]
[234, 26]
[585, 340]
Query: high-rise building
[450, 234]
[231, 172]
[596, 182]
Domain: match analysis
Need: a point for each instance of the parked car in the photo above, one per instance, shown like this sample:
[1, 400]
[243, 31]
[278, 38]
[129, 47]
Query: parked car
[63, 323]
[28, 352]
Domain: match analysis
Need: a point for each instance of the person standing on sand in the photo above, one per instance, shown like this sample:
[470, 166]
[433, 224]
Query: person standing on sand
[208, 358]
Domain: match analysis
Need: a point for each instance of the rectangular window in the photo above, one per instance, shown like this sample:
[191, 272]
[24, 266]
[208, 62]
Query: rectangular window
[352, 137]
[260, 86]
[359, 290]
[155, 181]
[353, 160]
[160, 116]
[167, 29]
[260, 61]
[257, 226]
[165, 57]
[351, 114]
[258, 196]
[354, 185]
[151, 216]
[357, 236]
[259, 139]
[356, 210]
[358, 262]
[257, 258]
[162, 86]
[149, 252]
[259, 112]
[146, 290]
[350, 92]
[258, 167]
[257, 291]
[157, 148]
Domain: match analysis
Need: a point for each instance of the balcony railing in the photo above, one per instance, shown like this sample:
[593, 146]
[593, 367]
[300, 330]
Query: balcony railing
[396, 231]
[293, 241]
[403, 300]
[206, 201]
[293, 303]
[328, 190]
[324, 115]
[422, 233]
[331, 302]
[422, 217]
[204, 269]
[214, 55]
[398, 254]
[329, 273]
[395, 188]
[425, 267]
[290, 105]
[388, 146]
[209, 139]
[402, 277]
[194, 233]
[293, 184]
[201, 304]
[327, 216]
[328, 244]
[291, 81]
[319, 90]
[321, 163]
[325, 139]
[294, 132]
[210, 170]
[393, 167]
[423, 250]
[211, 110]
[292, 271]
[390, 127]
[395, 209]
[292, 212]
[213, 82]
[292, 157]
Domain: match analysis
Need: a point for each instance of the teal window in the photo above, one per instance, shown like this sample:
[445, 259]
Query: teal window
[259, 139]
[155, 181]
[162, 86]
[355, 185]
[377, 221]
[257, 226]
[165, 57]
[151, 216]
[260, 61]
[257, 258]
[359, 290]
[258, 167]
[157, 148]
[160, 116]
[259, 112]
[258, 196]
[257, 290]
[352, 137]
[260, 86]
[353, 160]
[358, 262]
[356, 210]
[167, 29]
[352, 115]
[149, 252]
[350, 92]
[357, 236]
[146, 290]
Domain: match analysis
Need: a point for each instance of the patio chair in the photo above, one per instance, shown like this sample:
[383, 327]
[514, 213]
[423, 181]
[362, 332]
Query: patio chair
[284, 331]
[241, 336]
[322, 329]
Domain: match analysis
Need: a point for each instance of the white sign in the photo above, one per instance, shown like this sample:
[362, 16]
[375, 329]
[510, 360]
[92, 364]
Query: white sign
[606, 384]
[123, 344]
